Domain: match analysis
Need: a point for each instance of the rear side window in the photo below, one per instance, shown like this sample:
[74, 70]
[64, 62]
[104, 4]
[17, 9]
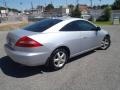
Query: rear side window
[42, 25]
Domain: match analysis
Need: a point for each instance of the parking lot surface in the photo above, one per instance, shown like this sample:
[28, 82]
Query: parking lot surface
[96, 70]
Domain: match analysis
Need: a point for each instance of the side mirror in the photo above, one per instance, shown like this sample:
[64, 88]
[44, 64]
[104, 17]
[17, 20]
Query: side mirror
[98, 28]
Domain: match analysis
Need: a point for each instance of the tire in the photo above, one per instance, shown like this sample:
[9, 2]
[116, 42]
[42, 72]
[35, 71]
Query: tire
[58, 59]
[105, 44]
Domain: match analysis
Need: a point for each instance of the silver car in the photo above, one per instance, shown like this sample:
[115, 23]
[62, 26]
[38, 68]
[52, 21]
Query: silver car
[52, 42]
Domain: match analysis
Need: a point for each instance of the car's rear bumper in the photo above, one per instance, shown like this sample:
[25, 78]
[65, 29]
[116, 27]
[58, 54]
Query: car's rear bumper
[27, 58]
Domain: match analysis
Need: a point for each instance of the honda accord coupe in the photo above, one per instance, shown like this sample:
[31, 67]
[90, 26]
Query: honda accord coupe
[52, 42]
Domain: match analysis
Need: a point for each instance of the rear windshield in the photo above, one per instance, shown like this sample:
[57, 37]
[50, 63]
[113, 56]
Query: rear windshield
[42, 25]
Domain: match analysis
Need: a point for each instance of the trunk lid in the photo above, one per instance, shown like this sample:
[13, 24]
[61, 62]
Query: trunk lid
[15, 35]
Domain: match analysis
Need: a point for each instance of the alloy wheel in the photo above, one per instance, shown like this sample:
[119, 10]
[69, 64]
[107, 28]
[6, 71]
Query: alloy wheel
[59, 59]
[105, 43]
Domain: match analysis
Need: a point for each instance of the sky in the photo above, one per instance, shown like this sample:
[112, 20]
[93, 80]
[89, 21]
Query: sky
[26, 4]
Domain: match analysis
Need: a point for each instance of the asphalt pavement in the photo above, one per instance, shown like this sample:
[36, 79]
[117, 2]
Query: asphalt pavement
[95, 70]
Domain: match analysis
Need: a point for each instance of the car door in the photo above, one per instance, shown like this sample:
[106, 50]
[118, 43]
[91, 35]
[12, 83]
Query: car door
[88, 35]
[72, 37]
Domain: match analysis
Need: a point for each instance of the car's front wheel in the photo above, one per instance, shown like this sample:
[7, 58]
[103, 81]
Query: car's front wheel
[105, 44]
[58, 59]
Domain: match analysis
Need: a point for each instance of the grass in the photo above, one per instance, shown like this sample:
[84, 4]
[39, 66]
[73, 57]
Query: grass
[103, 23]
[12, 26]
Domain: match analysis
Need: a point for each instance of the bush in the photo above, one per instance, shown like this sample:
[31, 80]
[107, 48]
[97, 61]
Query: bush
[76, 13]
[106, 14]
[102, 18]
[116, 5]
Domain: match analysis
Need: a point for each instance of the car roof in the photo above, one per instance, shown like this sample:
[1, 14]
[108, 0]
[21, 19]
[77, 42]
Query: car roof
[61, 24]
[65, 18]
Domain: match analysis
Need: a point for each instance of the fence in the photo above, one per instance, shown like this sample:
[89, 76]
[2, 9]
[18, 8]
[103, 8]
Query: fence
[13, 18]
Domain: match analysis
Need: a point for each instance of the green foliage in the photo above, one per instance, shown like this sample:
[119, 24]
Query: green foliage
[49, 7]
[9, 9]
[71, 7]
[100, 6]
[106, 14]
[14, 10]
[116, 5]
[2, 8]
[61, 6]
[76, 12]
[103, 23]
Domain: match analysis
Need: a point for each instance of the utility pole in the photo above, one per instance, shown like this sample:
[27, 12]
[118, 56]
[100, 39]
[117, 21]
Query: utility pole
[77, 2]
[66, 4]
[39, 2]
[32, 7]
[5, 5]
[51, 2]
[21, 6]
[100, 3]
[45, 3]
[0, 15]
[91, 1]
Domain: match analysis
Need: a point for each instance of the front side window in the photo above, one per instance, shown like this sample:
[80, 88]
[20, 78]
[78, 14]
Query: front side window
[85, 26]
[42, 25]
[79, 25]
[73, 26]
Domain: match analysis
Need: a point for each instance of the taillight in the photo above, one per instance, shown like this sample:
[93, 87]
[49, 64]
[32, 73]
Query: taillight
[27, 42]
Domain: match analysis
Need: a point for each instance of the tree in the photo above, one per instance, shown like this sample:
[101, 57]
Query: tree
[61, 6]
[76, 12]
[49, 7]
[104, 6]
[106, 14]
[9, 9]
[71, 7]
[116, 5]
[100, 6]
[39, 7]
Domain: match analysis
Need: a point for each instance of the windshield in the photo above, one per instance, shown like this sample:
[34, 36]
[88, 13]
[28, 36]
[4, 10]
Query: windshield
[42, 25]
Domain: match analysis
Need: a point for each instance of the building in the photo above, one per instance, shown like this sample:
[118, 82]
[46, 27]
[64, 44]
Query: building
[96, 13]
[115, 14]
[34, 11]
[56, 12]
[84, 9]
[4, 13]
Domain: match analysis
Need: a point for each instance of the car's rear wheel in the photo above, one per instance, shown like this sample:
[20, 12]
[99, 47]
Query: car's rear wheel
[105, 44]
[58, 59]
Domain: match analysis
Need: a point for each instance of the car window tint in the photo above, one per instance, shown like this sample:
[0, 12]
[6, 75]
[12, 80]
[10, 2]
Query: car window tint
[73, 26]
[79, 25]
[42, 25]
[85, 25]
